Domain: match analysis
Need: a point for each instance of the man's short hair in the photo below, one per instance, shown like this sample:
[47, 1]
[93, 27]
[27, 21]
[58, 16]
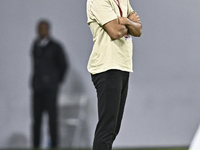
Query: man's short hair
[44, 21]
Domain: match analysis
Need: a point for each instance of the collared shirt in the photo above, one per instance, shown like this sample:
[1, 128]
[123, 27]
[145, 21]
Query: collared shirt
[43, 42]
[107, 53]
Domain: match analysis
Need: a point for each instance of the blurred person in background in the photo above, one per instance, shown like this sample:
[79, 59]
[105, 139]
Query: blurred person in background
[49, 68]
[112, 23]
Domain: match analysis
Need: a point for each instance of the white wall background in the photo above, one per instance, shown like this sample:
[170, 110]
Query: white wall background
[163, 107]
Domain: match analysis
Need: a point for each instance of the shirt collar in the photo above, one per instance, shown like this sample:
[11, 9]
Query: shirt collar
[43, 42]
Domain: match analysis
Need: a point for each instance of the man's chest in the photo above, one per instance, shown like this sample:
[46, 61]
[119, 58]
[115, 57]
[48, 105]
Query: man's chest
[120, 7]
[45, 52]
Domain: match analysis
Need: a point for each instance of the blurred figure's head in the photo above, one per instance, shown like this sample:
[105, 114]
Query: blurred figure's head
[43, 28]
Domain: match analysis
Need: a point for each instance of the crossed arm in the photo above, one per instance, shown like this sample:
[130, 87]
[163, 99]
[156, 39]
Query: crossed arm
[119, 27]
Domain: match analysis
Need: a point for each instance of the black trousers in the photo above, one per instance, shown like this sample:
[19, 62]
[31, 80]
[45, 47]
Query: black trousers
[44, 100]
[111, 87]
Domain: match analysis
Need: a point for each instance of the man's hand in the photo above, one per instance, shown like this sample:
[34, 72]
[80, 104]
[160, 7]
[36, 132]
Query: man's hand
[116, 30]
[134, 17]
[134, 24]
[121, 26]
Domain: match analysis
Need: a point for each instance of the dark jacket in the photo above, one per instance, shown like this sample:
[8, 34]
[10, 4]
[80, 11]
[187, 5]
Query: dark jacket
[49, 65]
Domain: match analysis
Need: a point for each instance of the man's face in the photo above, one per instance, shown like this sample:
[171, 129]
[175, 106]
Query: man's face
[43, 30]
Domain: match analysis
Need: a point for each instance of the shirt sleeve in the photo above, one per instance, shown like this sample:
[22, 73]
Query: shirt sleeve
[130, 9]
[102, 11]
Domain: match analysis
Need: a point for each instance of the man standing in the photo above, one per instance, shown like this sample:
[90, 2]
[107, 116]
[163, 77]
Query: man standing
[49, 67]
[112, 23]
